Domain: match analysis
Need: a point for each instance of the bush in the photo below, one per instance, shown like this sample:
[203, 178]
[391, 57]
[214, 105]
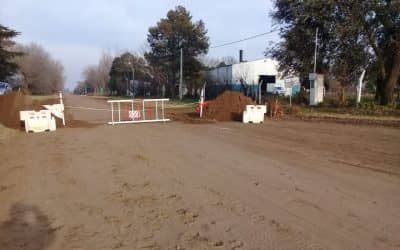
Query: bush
[301, 97]
[293, 110]
[367, 105]
[370, 107]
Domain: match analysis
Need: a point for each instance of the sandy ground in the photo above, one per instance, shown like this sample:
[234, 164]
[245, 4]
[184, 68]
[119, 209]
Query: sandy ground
[278, 185]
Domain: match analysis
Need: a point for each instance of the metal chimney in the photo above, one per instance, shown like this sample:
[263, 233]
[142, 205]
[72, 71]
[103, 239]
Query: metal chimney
[240, 55]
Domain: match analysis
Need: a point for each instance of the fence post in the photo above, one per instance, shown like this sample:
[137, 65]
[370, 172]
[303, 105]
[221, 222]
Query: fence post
[119, 112]
[144, 115]
[112, 113]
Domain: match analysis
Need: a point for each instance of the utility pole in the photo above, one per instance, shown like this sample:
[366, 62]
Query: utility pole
[127, 85]
[133, 80]
[315, 52]
[181, 77]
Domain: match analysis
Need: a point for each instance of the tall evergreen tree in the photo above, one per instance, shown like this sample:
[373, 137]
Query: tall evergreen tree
[124, 68]
[172, 33]
[7, 66]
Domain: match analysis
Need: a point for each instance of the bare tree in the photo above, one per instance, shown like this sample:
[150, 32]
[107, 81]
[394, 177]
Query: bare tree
[41, 73]
[242, 75]
[56, 76]
[229, 60]
[104, 68]
[91, 77]
[98, 76]
[211, 62]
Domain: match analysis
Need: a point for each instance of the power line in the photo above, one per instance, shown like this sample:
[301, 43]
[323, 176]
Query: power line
[244, 39]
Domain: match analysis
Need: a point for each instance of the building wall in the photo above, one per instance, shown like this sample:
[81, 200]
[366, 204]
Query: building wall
[248, 71]
[251, 71]
[221, 75]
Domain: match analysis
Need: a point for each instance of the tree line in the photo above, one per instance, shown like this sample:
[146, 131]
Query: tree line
[28, 67]
[352, 36]
[156, 72]
[96, 77]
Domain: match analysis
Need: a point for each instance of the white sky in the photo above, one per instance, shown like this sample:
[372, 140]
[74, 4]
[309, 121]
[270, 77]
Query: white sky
[77, 31]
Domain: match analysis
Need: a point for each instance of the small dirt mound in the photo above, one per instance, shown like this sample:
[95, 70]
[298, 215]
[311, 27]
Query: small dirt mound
[12, 103]
[187, 115]
[228, 106]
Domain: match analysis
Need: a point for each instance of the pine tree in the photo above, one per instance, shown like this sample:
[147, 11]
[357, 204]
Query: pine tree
[166, 39]
[7, 66]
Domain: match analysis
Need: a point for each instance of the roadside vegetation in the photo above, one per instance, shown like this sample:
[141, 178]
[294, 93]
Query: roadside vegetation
[333, 106]
[352, 36]
[29, 68]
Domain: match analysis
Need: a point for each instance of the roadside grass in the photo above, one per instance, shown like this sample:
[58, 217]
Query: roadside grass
[173, 102]
[42, 97]
[325, 114]
[377, 114]
[185, 102]
[362, 110]
[333, 108]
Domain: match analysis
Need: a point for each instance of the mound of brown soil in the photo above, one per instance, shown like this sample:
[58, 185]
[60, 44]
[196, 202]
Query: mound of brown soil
[12, 103]
[187, 115]
[228, 106]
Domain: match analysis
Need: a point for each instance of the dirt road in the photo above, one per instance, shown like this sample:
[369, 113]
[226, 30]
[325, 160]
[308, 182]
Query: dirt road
[279, 185]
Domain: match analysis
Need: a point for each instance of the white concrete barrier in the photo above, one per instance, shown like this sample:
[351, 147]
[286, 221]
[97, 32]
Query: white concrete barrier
[38, 121]
[254, 113]
[43, 120]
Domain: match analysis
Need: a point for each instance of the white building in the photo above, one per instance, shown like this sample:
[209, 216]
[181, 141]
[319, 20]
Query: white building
[251, 73]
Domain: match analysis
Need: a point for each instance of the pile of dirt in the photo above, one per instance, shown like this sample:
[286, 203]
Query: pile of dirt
[228, 106]
[187, 115]
[12, 103]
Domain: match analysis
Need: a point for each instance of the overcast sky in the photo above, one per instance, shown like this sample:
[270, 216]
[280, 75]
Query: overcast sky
[76, 31]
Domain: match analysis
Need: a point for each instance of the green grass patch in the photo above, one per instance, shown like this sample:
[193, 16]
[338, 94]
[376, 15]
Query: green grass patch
[349, 116]
[43, 97]
[173, 102]
[186, 102]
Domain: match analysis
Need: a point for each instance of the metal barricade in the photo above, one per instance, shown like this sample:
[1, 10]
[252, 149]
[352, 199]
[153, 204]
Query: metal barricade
[135, 111]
